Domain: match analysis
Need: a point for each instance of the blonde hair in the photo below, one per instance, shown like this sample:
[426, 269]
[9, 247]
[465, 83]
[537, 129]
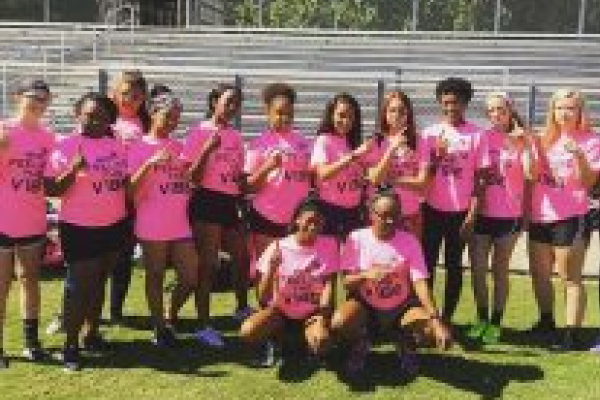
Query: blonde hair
[515, 117]
[135, 78]
[552, 129]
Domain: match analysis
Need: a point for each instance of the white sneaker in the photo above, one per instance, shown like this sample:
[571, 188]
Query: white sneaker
[210, 337]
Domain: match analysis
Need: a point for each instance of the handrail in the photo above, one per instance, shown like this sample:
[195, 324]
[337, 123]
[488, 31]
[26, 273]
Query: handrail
[312, 31]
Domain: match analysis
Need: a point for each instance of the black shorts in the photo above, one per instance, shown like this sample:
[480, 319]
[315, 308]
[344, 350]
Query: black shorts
[340, 221]
[214, 207]
[560, 233]
[592, 222]
[382, 321]
[264, 226]
[497, 228]
[9, 242]
[81, 243]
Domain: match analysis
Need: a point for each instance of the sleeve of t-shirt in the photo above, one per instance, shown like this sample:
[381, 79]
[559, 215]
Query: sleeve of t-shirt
[332, 255]
[423, 153]
[482, 153]
[319, 154]
[262, 265]
[190, 145]
[349, 256]
[592, 152]
[254, 158]
[417, 269]
[58, 162]
[135, 159]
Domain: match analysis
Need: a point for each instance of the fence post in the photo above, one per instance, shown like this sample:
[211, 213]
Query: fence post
[531, 104]
[581, 21]
[239, 84]
[4, 91]
[380, 94]
[103, 81]
[398, 81]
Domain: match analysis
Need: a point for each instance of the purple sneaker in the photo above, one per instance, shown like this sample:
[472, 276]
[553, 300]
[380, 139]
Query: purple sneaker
[357, 357]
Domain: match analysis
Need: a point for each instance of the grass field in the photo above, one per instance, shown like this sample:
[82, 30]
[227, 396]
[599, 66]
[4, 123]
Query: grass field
[515, 369]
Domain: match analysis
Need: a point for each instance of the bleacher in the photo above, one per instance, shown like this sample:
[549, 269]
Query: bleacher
[318, 63]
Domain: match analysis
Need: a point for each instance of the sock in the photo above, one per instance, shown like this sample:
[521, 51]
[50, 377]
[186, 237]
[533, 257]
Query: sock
[547, 319]
[30, 330]
[497, 317]
[483, 313]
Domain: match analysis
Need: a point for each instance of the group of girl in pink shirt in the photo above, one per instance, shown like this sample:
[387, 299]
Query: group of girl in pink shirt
[298, 214]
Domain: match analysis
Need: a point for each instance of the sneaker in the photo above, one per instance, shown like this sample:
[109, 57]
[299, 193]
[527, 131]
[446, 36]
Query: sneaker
[567, 341]
[71, 359]
[164, 338]
[409, 362]
[96, 343]
[477, 330]
[3, 361]
[34, 352]
[210, 337]
[357, 357]
[242, 313]
[542, 328]
[492, 334]
[267, 356]
[55, 326]
[596, 347]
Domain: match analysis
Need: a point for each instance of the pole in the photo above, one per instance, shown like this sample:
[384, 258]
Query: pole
[260, 13]
[531, 104]
[187, 13]
[415, 15]
[46, 10]
[239, 83]
[103, 81]
[380, 94]
[497, 16]
[581, 24]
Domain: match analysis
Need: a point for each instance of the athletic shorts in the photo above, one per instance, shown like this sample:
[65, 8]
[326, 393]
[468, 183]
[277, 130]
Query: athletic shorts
[263, 226]
[497, 228]
[8, 242]
[560, 233]
[381, 321]
[340, 221]
[214, 207]
[80, 243]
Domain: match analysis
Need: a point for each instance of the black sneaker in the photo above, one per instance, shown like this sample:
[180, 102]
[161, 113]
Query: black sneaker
[567, 341]
[96, 343]
[71, 359]
[34, 352]
[3, 361]
[164, 338]
[267, 356]
[542, 328]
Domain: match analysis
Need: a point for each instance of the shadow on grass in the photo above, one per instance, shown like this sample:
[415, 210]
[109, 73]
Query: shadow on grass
[485, 379]
[523, 342]
[188, 358]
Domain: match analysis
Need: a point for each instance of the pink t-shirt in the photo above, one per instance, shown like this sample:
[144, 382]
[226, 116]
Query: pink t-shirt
[286, 186]
[165, 188]
[405, 163]
[452, 184]
[302, 274]
[97, 197]
[128, 130]
[401, 259]
[225, 164]
[22, 165]
[344, 188]
[558, 194]
[503, 196]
